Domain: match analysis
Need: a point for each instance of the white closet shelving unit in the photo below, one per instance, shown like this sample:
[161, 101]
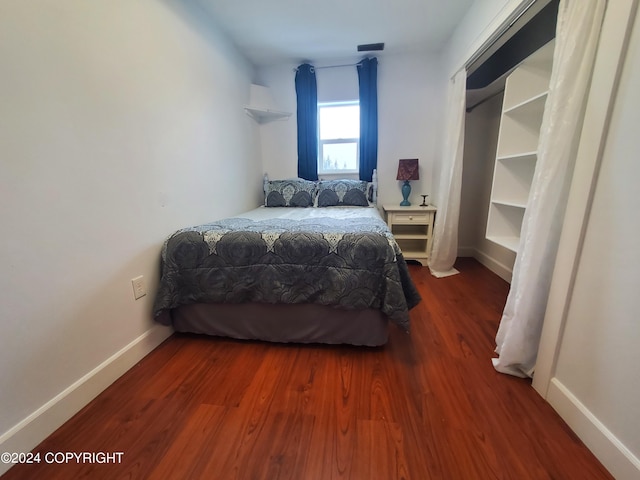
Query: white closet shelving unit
[525, 95]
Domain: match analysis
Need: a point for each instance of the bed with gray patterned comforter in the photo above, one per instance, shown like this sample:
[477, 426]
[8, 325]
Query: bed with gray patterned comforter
[334, 257]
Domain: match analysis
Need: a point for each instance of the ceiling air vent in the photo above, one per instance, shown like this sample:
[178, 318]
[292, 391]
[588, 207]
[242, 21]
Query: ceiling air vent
[371, 47]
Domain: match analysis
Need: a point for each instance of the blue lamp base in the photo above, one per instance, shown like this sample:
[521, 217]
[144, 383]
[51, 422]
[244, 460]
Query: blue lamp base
[406, 191]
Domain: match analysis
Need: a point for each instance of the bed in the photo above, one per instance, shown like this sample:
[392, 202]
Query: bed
[315, 264]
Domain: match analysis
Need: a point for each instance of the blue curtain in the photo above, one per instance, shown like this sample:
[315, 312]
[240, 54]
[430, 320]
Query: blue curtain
[307, 111]
[368, 85]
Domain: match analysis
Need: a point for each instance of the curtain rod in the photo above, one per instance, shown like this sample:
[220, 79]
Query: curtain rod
[332, 66]
[337, 66]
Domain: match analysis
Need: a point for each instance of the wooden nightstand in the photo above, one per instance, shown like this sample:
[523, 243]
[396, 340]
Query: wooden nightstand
[412, 228]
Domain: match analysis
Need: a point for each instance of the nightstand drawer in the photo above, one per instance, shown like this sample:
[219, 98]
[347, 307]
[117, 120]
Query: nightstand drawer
[418, 217]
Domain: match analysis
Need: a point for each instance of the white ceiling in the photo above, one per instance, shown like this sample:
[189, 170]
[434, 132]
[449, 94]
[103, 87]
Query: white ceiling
[276, 31]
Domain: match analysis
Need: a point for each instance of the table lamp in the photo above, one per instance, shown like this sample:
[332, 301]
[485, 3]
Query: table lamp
[407, 170]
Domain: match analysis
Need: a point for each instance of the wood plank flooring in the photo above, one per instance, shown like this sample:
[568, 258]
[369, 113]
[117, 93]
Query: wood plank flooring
[428, 405]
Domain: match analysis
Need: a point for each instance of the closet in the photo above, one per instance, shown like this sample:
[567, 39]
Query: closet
[506, 96]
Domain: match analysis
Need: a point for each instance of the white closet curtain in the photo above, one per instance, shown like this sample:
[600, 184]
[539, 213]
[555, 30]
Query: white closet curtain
[518, 338]
[445, 232]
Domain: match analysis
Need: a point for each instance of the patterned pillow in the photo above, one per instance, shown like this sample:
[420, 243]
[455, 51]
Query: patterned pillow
[289, 193]
[342, 192]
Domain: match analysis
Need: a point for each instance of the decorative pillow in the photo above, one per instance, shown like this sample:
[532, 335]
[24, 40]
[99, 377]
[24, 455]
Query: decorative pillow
[342, 193]
[289, 193]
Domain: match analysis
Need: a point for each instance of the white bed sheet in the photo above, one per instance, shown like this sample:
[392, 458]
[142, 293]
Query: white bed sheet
[342, 213]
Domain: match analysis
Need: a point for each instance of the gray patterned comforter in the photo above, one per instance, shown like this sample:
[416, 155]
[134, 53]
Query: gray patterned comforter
[354, 264]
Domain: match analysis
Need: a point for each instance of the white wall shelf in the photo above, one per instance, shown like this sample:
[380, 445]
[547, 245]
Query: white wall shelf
[261, 106]
[262, 115]
[525, 96]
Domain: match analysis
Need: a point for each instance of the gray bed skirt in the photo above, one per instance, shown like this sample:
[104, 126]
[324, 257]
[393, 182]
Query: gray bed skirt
[297, 323]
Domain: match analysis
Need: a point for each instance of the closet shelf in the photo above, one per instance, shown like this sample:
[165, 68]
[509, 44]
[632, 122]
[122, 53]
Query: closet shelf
[510, 204]
[510, 243]
[530, 107]
[524, 156]
[534, 103]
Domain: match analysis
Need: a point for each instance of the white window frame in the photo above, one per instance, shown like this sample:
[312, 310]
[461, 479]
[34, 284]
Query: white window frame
[321, 143]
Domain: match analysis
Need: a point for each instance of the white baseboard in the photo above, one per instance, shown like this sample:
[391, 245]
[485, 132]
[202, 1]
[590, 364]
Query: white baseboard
[496, 267]
[28, 433]
[611, 452]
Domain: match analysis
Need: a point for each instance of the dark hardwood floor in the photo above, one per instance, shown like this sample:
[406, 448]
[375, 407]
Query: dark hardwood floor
[428, 405]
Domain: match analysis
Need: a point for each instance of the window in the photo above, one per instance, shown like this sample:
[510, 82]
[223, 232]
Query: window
[338, 137]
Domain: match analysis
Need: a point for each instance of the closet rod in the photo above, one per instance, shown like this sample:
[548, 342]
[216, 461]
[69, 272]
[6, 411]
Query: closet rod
[470, 109]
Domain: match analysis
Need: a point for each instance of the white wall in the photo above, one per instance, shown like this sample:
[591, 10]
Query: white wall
[480, 21]
[410, 106]
[278, 140]
[119, 122]
[410, 91]
[599, 354]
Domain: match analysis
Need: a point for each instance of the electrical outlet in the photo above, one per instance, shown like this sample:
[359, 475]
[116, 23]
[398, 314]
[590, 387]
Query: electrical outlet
[138, 287]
